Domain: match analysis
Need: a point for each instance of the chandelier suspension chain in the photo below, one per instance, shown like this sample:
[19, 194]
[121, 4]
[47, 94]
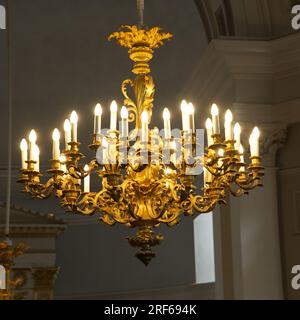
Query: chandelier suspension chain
[140, 9]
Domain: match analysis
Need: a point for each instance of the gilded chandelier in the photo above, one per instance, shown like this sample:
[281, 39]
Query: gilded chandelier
[145, 179]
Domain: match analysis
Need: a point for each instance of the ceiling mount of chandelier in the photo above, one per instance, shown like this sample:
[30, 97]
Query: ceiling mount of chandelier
[145, 178]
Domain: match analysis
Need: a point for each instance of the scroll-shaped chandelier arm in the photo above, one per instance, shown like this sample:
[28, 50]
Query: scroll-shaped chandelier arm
[86, 204]
[40, 191]
[112, 209]
[128, 101]
[205, 205]
[77, 171]
[250, 184]
[239, 192]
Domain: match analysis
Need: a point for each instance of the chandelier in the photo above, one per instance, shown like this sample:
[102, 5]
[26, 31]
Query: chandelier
[146, 177]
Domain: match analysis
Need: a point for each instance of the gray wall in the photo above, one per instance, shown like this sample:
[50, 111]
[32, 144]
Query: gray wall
[289, 207]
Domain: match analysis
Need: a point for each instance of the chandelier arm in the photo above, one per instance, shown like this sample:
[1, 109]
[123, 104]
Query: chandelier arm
[77, 171]
[86, 204]
[205, 205]
[38, 190]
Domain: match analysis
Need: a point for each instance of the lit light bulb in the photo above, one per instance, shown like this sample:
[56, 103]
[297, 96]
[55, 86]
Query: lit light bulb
[214, 110]
[145, 117]
[24, 155]
[254, 142]
[221, 152]
[32, 136]
[63, 161]
[113, 116]
[62, 158]
[167, 124]
[32, 142]
[208, 124]
[124, 113]
[190, 109]
[36, 157]
[173, 145]
[215, 119]
[228, 125]
[237, 129]
[74, 121]
[67, 125]
[228, 116]
[55, 135]
[184, 106]
[209, 131]
[56, 149]
[86, 181]
[166, 114]
[67, 129]
[23, 145]
[74, 117]
[191, 116]
[36, 151]
[256, 133]
[242, 159]
[168, 171]
[241, 150]
[98, 110]
[124, 122]
[237, 135]
[113, 106]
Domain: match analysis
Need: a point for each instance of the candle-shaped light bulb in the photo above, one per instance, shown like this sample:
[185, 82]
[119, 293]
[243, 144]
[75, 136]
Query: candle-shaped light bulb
[63, 165]
[145, 120]
[36, 158]
[185, 115]
[97, 118]
[32, 142]
[221, 153]
[124, 113]
[74, 122]
[56, 149]
[256, 133]
[113, 115]
[67, 130]
[207, 176]
[242, 158]
[215, 119]
[191, 115]
[32, 136]
[124, 122]
[228, 125]
[86, 185]
[237, 135]
[24, 155]
[167, 123]
[209, 131]
[254, 142]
